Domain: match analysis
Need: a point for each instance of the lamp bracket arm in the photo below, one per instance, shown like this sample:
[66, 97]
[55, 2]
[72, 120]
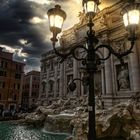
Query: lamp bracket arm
[77, 79]
[109, 48]
[120, 55]
[72, 84]
[84, 80]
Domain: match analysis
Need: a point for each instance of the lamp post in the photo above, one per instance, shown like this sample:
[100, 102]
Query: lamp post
[131, 16]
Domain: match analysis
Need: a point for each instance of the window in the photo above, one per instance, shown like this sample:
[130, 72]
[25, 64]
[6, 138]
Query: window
[3, 64]
[17, 86]
[51, 86]
[15, 97]
[34, 94]
[2, 84]
[17, 76]
[69, 80]
[6, 64]
[20, 68]
[0, 63]
[58, 63]
[43, 86]
[44, 67]
[51, 65]
[3, 73]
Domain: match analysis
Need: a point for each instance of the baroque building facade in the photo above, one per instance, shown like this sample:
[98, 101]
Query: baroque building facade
[113, 83]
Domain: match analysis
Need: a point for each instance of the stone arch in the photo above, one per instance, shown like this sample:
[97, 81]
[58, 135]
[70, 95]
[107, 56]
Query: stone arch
[99, 54]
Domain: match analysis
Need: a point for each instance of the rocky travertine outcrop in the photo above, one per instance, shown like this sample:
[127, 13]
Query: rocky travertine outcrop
[35, 119]
[120, 121]
[46, 113]
[71, 116]
[59, 123]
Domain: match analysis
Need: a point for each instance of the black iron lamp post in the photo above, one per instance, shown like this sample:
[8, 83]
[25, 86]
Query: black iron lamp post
[131, 16]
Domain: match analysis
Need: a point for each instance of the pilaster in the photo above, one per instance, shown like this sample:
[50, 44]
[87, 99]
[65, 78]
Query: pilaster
[135, 71]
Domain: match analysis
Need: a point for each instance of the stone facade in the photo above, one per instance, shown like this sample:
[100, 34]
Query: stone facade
[113, 83]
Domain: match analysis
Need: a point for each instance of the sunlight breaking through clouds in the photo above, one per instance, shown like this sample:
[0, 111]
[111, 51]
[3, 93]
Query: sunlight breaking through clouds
[48, 2]
[37, 20]
[23, 41]
[15, 51]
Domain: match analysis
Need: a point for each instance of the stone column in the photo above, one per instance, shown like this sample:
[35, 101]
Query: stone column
[108, 76]
[47, 83]
[40, 85]
[61, 93]
[55, 81]
[30, 91]
[64, 85]
[138, 49]
[103, 80]
[135, 68]
[75, 75]
[82, 87]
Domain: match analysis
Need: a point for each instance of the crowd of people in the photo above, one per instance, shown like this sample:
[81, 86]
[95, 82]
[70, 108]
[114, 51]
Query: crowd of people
[7, 113]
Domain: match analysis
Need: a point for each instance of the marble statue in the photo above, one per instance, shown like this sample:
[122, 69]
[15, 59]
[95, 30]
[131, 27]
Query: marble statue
[123, 81]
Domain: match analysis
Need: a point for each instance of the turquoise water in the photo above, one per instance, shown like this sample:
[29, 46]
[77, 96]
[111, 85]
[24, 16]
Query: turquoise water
[10, 131]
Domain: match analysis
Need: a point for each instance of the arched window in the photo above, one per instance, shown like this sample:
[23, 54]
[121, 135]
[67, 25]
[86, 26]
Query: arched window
[43, 86]
[51, 86]
[52, 65]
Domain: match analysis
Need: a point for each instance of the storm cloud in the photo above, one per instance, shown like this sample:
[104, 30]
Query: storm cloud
[24, 27]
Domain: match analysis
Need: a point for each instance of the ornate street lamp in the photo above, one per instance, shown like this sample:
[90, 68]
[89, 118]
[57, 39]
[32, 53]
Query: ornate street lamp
[56, 18]
[131, 16]
[90, 7]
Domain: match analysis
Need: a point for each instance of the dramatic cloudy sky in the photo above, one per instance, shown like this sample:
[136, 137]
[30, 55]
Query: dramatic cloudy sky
[24, 27]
